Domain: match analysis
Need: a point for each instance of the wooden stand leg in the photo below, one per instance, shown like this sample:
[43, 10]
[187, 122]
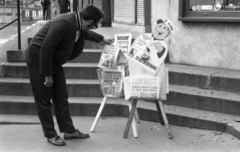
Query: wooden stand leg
[165, 120]
[134, 126]
[98, 114]
[130, 118]
[137, 116]
[159, 113]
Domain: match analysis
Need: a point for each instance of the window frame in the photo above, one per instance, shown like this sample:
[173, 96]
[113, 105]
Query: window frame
[206, 16]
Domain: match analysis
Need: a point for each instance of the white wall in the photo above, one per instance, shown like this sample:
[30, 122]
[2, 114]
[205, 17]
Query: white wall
[199, 43]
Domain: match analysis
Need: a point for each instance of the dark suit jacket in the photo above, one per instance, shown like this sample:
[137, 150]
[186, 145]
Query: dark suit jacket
[45, 3]
[54, 43]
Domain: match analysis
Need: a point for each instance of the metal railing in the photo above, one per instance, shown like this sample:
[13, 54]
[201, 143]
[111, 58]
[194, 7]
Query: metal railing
[8, 24]
[19, 34]
[19, 27]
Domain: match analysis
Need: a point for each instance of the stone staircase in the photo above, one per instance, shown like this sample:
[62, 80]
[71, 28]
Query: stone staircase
[200, 97]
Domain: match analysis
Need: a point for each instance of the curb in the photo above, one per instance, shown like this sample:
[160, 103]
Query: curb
[234, 129]
[147, 111]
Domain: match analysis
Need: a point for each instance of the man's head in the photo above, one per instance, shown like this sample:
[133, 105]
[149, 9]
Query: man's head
[91, 16]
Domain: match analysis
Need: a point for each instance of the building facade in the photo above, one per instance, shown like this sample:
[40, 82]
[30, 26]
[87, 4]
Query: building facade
[30, 10]
[208, 36]
[206, 32]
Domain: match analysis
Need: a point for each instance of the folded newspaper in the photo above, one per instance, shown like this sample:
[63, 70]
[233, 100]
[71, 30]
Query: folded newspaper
[148, 53]
[111, 57]
[142, 87]
[111, 81]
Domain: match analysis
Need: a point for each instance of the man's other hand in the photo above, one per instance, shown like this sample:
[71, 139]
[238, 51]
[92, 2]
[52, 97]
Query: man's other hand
[48, 81]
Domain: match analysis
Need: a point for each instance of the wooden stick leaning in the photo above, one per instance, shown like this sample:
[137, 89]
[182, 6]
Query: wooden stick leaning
[98, 114]
[130, 119]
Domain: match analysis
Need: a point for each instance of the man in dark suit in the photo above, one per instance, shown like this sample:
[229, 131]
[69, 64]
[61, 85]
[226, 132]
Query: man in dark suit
[45, 4]
[64, 6]
[59, 40]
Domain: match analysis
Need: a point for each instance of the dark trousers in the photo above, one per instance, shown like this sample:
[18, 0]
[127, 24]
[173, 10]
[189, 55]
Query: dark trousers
[59, 95]
[45, 13]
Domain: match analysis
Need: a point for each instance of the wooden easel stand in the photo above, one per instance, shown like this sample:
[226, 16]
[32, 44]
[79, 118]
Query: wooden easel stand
[134, 117]
[161, 113]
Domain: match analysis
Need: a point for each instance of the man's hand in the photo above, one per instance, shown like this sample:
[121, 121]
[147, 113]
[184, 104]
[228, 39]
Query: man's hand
[108, 41]
[48, 81]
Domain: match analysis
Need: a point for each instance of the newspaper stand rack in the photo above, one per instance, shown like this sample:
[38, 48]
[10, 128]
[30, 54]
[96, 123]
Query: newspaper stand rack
[155, 47]
[148, 54]
[133, 118]
[163, 73]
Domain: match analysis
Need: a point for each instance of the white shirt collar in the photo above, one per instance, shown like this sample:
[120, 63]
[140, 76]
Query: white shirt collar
[79, 21]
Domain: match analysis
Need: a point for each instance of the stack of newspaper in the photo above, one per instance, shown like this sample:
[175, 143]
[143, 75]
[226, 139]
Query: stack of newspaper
[114, 66]
[109, 57]
[141, 87]
[111, 81]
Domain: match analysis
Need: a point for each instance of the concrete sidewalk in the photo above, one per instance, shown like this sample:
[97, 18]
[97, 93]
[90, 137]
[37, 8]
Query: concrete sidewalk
[108, 137]
[11, 30]
[9, 39]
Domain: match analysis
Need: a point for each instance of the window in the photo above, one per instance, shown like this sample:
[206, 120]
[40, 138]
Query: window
[8, 14]
[209, 10]
[12, 2]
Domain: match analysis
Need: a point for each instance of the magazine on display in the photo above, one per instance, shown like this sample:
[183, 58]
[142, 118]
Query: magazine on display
[109, 57]
[124, 41]
[148, 53]
[141, 87]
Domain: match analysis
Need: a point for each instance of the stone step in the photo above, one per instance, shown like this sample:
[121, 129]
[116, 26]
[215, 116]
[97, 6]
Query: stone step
[76, 87]
[87, 56]
[72, 70]
[204, 77]
[194, 76]
[184, 96]
[203, 99]
[81, 70]
[82, 106]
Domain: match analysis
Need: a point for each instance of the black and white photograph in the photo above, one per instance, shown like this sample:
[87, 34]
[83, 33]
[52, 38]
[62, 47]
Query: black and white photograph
[119, 75]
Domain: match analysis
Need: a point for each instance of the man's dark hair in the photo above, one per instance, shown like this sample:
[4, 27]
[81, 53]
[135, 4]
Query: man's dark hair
[92, 13]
